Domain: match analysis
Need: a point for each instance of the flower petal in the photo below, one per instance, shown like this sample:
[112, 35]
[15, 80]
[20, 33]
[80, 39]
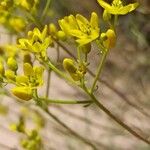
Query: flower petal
[104, 4]
[83, 23]
[94, 22]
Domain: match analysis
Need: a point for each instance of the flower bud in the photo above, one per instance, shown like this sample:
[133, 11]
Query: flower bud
[61, 35]
[109, 39]
[24, 93]
[112, 38]
[28, 70]
[52, 29]
[9, 74]
[106, 16]
[30, 34]
[18, 24]
[70, 67]
[23, 80]
[12, 64]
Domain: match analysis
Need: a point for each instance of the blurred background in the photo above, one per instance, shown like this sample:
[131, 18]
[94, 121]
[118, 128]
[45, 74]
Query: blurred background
[124, 89]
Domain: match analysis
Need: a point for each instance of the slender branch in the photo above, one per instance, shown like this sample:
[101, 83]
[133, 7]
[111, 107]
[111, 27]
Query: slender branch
[49, 101]
[48, 2]
[99, 70]
[33, 19]
[65, 49]
[48, 82]
[119, 93]
[111, 115]
[125, 98]
[60, 73]
[79, 54]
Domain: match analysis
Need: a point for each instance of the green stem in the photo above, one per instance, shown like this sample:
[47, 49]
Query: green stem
[45, 9]
[116, 119]
[55, 101]
[99, 70]
[120, 94]
[33, 19]
[48, 82]
[79, 54]
[115, 22]
[60, 73]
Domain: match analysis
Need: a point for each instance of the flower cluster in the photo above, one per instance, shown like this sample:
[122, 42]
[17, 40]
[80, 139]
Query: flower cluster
[24, 84]
[117, 7]
[32, 78]
[85, 31]
[37, 42]
[9, 13]
[32, 139]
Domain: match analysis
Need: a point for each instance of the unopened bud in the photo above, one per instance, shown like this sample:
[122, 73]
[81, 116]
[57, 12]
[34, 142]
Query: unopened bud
[52, 29]
[12, 64]
[24, 93]
[109, 39]
[9, 74]
[70, 67]
[106, 15]
[28, 70]
[61, 35]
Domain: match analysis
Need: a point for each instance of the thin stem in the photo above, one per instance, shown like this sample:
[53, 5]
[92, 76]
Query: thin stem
[107, 111]
[116, 119]
[51, 66]
[79, 54]
[56, 101]
[115, 22]
[65, 49]
[119, 93]
[48, 82]
[99, 70]
[33, 19]
[48, 2]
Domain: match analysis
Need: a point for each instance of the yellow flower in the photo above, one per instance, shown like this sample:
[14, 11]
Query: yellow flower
[27, 4]
[25, 84]
[37, 42]
[85, 31]
[117, 7]
[10, 50]
[6, 4]
[34, 74]
[17, 23]
[3, 16]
